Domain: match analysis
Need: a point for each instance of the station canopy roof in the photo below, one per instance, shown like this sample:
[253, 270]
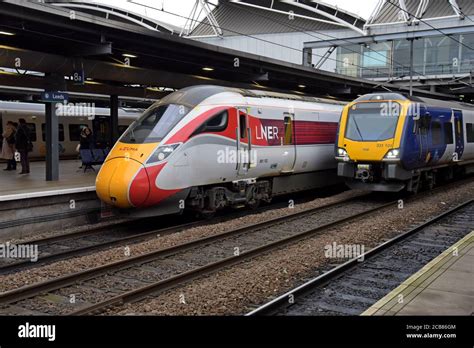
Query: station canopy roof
[390, 11]
[250, 17]
[47, 40]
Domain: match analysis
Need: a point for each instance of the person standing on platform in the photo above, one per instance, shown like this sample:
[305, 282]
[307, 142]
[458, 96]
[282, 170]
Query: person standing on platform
[8, 146]
[23, 145]
[87, 139]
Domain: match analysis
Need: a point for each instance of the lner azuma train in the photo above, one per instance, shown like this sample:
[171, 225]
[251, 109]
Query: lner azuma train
[391, 142]
[207, 147]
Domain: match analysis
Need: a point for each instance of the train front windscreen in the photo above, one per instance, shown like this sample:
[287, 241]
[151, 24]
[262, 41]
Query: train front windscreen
[372, 121]
[155, 124]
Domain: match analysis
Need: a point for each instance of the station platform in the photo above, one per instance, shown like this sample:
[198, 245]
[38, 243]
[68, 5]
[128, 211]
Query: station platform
[445, 286]
[14, 186]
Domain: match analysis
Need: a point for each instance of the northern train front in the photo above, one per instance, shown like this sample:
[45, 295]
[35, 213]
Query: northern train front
[392, 142]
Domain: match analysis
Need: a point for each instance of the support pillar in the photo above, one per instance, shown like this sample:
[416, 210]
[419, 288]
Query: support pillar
[52, 143]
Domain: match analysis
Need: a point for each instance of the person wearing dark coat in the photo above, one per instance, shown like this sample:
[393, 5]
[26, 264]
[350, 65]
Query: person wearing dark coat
[23, 145]
[87, 139]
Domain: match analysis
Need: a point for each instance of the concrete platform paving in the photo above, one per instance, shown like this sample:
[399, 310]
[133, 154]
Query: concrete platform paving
[445, 286]
[71, 180]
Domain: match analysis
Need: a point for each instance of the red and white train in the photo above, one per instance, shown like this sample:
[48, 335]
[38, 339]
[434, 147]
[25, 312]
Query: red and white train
[207, 147]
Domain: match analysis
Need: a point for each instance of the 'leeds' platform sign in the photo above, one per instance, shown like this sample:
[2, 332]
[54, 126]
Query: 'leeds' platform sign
[54, 97]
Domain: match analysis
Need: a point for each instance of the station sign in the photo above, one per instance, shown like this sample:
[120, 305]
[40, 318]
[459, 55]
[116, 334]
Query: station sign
[78, 77]
[54, 97]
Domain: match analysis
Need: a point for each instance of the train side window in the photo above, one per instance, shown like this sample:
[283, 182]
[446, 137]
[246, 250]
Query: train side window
[448, 133]
[32, 130]
[288, 131]
[61, 132]
[75, 131]
[218, 123]
[470, 132]
[243, 125]
[436, 133]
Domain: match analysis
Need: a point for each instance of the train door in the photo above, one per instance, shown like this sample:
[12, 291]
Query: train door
[244, 142]
[288, 143]
[422, 129]
[458, 134]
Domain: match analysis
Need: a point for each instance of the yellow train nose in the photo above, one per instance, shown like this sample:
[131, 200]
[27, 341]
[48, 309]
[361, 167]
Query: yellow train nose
[115, 179]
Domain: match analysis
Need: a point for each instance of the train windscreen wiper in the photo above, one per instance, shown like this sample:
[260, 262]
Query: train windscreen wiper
[358, 129]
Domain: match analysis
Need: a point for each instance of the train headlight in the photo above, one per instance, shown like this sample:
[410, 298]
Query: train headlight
[393, 154]
[342, 154]
[162, 153]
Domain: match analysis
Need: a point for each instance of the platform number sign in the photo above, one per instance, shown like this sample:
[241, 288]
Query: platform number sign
[78, 77]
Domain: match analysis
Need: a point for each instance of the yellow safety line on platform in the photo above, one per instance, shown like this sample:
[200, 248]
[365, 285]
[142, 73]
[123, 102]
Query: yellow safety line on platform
[401, 296]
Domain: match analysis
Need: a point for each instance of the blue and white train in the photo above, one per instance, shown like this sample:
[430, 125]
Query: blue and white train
[391, 142]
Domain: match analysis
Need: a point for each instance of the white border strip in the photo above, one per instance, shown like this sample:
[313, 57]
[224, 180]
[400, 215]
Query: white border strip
[18, 196]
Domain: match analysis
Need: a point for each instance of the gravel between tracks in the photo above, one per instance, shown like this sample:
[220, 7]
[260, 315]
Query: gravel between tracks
[75, 229]
[12, 281]
[238, 289]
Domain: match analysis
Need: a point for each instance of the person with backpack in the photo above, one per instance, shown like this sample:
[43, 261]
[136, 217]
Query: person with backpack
[23, 145]
[8, 146]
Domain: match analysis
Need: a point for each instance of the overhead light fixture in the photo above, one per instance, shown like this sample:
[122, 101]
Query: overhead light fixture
[129, 55]
[6, 33]
[301, 86]
[204, 78]
[208, 69]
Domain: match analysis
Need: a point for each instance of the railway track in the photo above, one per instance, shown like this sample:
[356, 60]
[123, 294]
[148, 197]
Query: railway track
[354, 286]
[67, 246]
[94, 290]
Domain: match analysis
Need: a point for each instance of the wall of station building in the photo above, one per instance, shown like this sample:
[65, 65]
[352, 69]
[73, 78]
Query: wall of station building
[433, 56]
[282, 46]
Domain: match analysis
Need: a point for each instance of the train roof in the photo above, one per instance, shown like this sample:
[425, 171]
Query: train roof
[194, 95]
[40, 108]
[451, 104]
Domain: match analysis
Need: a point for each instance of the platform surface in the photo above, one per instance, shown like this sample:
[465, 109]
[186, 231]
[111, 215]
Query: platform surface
[445, 286]
[71, 180]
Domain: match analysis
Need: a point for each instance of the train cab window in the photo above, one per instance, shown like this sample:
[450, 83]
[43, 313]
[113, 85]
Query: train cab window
[61, 131]
[75, 131]
[436, 134]
[448, 133]
[32, 131]
[155, 124]
[288, 131]
[470, 132]
[372, 121]
[218, 123]
[243, 125]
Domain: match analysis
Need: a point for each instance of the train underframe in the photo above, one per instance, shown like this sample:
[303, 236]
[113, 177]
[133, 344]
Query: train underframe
[208, 199]
[391, 177]
[251, 192]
